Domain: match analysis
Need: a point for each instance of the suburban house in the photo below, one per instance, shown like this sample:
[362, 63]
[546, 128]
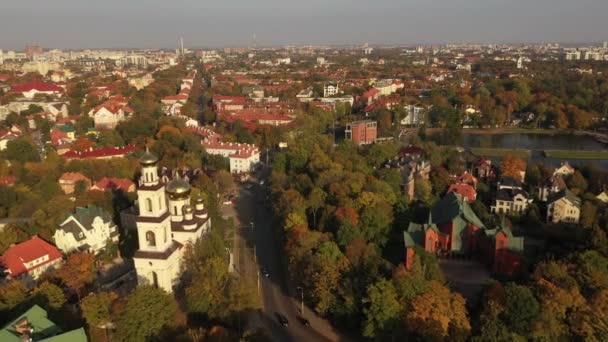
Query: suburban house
[563, 206]
[108, 114]
[69, 180]
[602, 196]
[87, 229]
[414, 115]
[8, 181]
[510, 201]
[466, 191]
[551, 185]
[484, 168]
[565, 169]
[29, 90]
[10, 134]
[31, 258]
[362, 132]
[388, 86]
[35, 325]
[113, 184]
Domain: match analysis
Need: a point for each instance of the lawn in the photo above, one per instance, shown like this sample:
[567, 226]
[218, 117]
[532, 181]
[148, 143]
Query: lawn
[576, 154]
[500, 152]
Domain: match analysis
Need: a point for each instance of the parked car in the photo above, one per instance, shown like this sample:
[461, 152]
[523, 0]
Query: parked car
[282, 319]
[265, 272]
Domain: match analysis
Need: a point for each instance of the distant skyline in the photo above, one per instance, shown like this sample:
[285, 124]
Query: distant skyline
[76, 24]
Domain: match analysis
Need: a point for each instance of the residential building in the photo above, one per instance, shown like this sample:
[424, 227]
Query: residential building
[102, 153]
[511, 201]
[29, 259]
[114, 184]
[551, 185]
[243, 157]
[466, 191]
[388, 86]
[166, 222]
[35, 325]
[68, 182]
[29, 90]
[564, 207]
[87, 229]
[565, 169]
[602, 196]
[484, 169]
[414, 115]
[10, 134]
[110, 113]
[362, 132]
[330, 89]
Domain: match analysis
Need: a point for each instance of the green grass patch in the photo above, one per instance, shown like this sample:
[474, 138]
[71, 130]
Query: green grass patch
[576, 154]
[500, 152]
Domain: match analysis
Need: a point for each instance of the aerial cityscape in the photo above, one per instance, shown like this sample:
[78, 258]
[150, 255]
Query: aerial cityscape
[340, 171]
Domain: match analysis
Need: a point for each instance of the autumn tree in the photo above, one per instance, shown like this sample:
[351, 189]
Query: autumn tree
[51, 294]
[439, 315]
[12, 294]
[96, 308]
[144, 313]
[78, 271]
[513, 167]
[383, 310]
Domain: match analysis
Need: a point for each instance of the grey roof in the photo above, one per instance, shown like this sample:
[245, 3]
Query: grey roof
[569, 195]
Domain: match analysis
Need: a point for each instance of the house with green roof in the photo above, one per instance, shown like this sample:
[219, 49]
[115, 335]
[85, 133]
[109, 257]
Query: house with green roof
[34, 325]
[505, 250]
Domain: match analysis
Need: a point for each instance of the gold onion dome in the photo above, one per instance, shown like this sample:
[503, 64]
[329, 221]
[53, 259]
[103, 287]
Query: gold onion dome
[148, 158]
[178, 187]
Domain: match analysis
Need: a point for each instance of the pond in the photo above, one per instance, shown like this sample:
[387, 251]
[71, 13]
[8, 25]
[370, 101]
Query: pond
[537, 143]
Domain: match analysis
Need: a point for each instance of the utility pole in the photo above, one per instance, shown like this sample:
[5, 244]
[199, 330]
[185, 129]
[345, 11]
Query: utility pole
[302, 302]
[266, 156]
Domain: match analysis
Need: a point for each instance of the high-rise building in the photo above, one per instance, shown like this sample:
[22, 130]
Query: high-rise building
[1, 57]
[33, 51]
[605, 45]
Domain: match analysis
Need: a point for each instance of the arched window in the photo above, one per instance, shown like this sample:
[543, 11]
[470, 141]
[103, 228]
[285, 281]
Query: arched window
[149, 204]
[151, 239]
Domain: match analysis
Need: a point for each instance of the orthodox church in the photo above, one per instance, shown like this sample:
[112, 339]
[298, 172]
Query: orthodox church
[166, 223]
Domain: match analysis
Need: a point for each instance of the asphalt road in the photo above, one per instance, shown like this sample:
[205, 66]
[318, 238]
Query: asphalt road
[274, 289]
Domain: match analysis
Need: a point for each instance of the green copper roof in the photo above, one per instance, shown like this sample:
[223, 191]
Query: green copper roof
[44, 329]
[452, 206]
[515, 243]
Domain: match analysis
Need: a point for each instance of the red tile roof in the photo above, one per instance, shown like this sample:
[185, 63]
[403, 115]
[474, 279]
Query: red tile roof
[114, 184]
[37, 85]
[464, 190]
[8, 180]
[100, 153]
[73, 177]
[15, 257]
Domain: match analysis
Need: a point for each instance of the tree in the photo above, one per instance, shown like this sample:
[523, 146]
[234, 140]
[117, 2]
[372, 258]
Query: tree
[577, 182]
[439, 314]
[224, 181]
[52, 295]
[423, 191]
[12, 294]
[9, 235]
[316, 199]
[21, 150]
[521, 308]
[96, 308]
[145, 312]
[78, 271]
[511, 166]
[382, 313]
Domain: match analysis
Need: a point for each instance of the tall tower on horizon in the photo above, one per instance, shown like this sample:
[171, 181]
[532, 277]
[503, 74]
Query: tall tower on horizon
[181, 43]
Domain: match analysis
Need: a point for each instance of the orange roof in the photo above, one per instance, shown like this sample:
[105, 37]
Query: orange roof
[15, 258]
[464, 190]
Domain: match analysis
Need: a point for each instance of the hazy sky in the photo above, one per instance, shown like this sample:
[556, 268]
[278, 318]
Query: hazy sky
[156, 23]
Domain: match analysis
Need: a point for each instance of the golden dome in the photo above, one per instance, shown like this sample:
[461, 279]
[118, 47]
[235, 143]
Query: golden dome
[178, 187]
[148, 159]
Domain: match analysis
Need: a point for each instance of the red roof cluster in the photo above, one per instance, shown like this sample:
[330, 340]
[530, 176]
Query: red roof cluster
[15, 258]
[107, 183]
[465, 190]
[36, 85]
[113, 106]
[100, 153]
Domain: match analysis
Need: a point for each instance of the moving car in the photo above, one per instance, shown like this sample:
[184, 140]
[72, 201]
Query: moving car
[304, 321]
[282, 319]
[265, 272]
